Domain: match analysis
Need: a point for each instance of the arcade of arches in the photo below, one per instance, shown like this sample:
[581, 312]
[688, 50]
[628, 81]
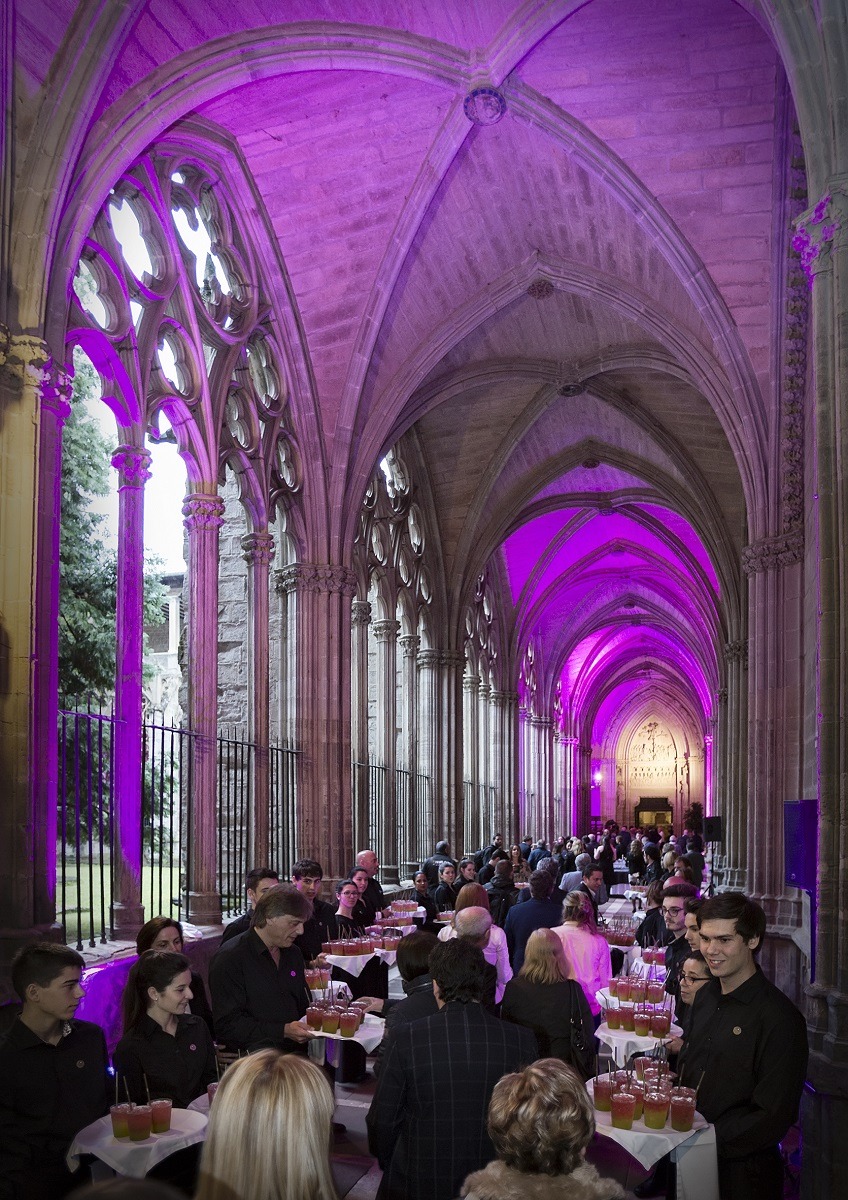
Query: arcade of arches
[505, 349]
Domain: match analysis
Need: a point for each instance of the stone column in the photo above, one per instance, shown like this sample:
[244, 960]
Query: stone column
[487, 804]
[570, 745]
[412, 846]
[360, 620]
[258, 554]
[203, 518]
[504, 761]
[56, 390]
[541, 732]
[471, 764]
[735, 827]
[429, 743]
[825, 1110]
[132, 464]
[450, 815]
[319, 610]
[386, 822]
[33, 403]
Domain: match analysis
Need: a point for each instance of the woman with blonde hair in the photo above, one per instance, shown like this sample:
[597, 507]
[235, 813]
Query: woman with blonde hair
[543, 997]
[540, 1123]
[586, 950]
[474, 895]
[269, 1132]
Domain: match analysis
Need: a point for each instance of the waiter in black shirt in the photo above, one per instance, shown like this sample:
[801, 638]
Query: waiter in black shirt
[746, 1050]
[257, 983]
[372, 897]
[308, 876]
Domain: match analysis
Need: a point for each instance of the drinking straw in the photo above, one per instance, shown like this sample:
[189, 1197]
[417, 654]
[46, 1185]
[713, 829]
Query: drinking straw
[698, 1084]
[597, 1065]
[127, 1090]
[116, 1088]
[146, 1086]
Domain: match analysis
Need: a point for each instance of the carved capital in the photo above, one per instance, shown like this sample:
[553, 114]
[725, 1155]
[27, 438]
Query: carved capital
[501, 699]
[385, 631]
[571, 741]
[451, 658]
[56, 391]
[821, 230]
[203, 512]
[409, 644]
[133, 466]
[736, 652]
[360, 613]
[428, 659]
[258, 549]
[471, 685]
[774, 552]
[24, 358]
[316, 578]
[541, 722]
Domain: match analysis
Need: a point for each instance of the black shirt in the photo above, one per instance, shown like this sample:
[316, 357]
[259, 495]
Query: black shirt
[374, 901]
[749, 1051]
[239, 925]
[676, 953]
[47, 1095]
[320, 927]
[177, 1068]
[253, 999]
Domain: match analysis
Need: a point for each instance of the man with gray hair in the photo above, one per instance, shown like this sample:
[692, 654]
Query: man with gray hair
[572, 879]
[372, 897]
[474, 925]
[256, 979]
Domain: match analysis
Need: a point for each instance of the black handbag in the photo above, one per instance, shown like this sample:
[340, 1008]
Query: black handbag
[582, 1056]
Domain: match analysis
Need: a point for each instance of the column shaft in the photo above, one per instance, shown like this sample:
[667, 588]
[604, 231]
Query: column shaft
[258, 554]
[411, 848]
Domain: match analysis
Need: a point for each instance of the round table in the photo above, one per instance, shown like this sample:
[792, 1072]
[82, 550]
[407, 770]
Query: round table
[135, 1159]
[622, 1044]
[693, 1152]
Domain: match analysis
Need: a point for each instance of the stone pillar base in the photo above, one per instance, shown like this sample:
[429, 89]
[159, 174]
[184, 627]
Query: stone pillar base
[204, 908]
[824, 1119]
[127, 919]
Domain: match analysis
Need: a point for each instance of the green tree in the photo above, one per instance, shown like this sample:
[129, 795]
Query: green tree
[88, 569]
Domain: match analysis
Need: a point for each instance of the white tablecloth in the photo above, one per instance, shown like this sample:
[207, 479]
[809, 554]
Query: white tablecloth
[622, 1043]
[368, 1035]
[694, 1153]
[354, 964]
[135, 1159]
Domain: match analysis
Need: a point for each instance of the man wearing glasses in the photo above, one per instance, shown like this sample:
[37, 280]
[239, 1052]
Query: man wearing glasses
[677, 948]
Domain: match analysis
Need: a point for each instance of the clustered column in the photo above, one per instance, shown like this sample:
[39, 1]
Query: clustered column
[408, 831]
[203, 518]
[360, 620]
[384, 818]
[258, 554]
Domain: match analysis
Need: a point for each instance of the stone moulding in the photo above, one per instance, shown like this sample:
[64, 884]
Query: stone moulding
[316, 578]
[769, 553]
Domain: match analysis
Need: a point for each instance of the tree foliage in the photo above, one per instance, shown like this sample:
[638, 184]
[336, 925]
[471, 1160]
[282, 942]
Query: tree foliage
[88, 567]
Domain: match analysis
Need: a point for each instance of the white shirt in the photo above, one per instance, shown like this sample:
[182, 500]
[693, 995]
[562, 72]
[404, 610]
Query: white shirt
[588, 955]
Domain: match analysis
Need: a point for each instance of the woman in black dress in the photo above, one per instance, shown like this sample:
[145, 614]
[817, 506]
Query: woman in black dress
[543, 998]
[164, 934]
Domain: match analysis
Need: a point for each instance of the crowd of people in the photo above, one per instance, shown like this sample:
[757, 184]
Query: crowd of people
[481, 1071]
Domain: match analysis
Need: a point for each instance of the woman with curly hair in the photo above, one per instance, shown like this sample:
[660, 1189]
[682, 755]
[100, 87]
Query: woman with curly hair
[540, 1123]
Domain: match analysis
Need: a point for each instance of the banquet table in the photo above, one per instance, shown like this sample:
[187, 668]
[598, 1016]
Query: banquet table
[622, 1043]
[135, 1159]
[694, 1153]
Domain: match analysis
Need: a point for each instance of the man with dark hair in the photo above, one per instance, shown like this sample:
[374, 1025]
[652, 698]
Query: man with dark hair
[573, 879]
[539, 912]
[592, 885]
[677, 947]
[691, 908]
[53, 1070]
[257, 982]
[259, 881]
[746, 1048]
[307, 876]
[426, 1134]
[432, 866]
[502, 893]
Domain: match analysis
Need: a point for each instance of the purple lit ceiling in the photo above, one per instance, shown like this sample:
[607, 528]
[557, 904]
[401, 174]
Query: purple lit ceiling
[615, 230]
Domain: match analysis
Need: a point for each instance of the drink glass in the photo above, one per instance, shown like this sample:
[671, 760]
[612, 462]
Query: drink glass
[682, 1109]
[660, 1025]
[624, 987]
[602, 1087]
[612, 987]
[637, 1089]
[330, 1020]
[348, 1022]
[642, 1064]
[642, 1023]
[623, 1110]
[656, 991]
[118, 1113]
[139, 1121]
[314, 1018]
[655, 1109]
[638, 989]
[160, 1111]
[612, 1016]
[627, 1017]
[211, 1089]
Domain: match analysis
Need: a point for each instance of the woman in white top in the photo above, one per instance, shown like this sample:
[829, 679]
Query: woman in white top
[474, 895]
[586, 950]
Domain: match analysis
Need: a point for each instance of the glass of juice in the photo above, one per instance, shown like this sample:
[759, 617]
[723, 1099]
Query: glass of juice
[637, 1089]
[140, 1121]
[642, 1023]
[314, 1017]
[638, 989]
[656, 991]
[612, 1016]
[118, 1113]
[624, 987]
[330, 1020]
[602, 1087]
[612, 987]
[627, 1017]
[682, 1109]
[160, 1115]
[623, 1107]
[348, 1022]
[642, 1064]
[655, 1109]
[660, 1024]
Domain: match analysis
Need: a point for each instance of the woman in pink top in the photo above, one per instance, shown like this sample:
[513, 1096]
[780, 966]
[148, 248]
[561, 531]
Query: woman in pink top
[586, 950]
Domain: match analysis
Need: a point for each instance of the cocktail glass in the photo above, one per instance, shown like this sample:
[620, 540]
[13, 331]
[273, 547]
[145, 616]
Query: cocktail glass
[612, 1016]
[655, 1110]
[348, 1022]
[627, 1017]
[642, 1023]
[623, 1109]
[160, 1115]
[660, 1025]
[682, 1109]
[602, 1087]
[330, 1020]
[139, 1122]
[118, 1113]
